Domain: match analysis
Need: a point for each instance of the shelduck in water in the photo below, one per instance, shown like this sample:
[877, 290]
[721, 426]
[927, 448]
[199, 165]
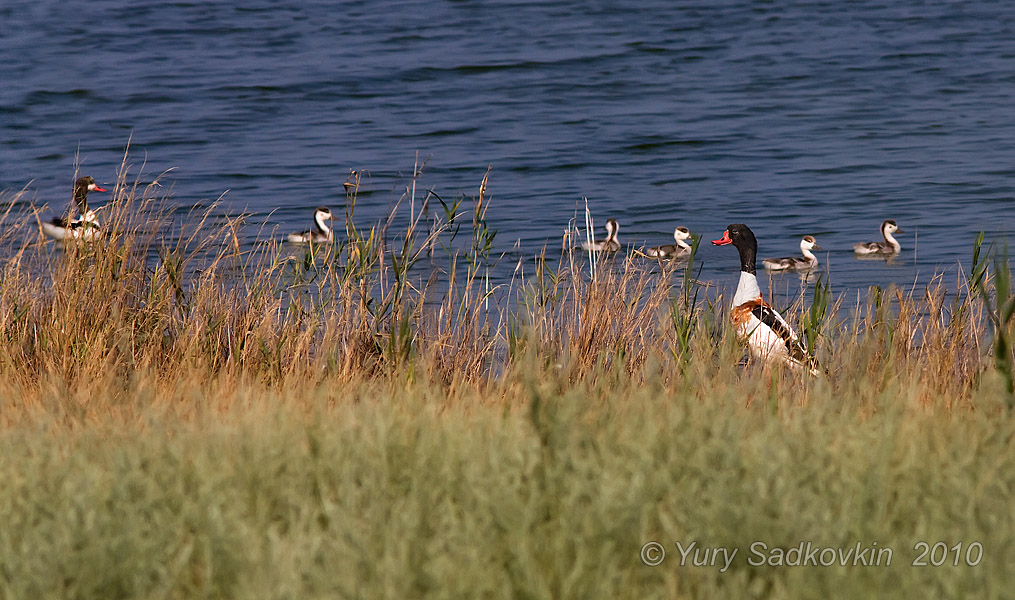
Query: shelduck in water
[795, 263]
[322, 230]
[610, 244]
[681, 248]
[85, 225]
[889, 247]
[769, 337]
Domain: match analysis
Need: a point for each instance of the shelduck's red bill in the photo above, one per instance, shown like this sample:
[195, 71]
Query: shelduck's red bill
[725, 239]
[99, 189]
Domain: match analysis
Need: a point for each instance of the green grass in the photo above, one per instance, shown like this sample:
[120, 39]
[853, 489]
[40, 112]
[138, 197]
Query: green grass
[373, 492]
[376, 420]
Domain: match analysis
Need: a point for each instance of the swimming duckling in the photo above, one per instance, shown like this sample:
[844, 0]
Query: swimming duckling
[320, 234]
[795, 263]
[889, 246]
[610, 244]
[681, 248]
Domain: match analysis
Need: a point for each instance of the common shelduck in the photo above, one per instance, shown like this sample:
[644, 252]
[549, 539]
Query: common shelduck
[795, 263]
[889, 246]
[610, 244]
[322, 230]
[681, 248]
[81, 188]
[85, 225]
[769, 337]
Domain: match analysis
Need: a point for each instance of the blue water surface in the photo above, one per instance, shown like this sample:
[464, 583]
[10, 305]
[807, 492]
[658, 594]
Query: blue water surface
[796, 118]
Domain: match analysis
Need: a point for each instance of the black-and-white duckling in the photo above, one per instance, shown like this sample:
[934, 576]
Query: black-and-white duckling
[681, 248]
[769, 337]
[322, 230]
[889, 246]
[610, 244]
[85, 225]
[795, 263]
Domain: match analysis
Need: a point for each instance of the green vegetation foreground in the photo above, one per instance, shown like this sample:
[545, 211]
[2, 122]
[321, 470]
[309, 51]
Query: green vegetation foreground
[331, 425]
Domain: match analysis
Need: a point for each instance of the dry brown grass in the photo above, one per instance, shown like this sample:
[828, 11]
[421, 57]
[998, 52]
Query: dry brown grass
[139, 311]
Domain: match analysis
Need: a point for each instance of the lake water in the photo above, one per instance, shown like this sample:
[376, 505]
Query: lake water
[796, 118]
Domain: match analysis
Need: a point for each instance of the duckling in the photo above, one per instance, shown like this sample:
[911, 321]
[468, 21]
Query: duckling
[681, 248]
[889, 246]
[610, 244]
[320, 234]
[795, 263]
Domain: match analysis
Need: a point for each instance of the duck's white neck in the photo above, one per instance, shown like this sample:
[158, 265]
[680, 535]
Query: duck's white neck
[681, 243]
[807, 253]
[891, 240]
[322, 224]
[747, 289]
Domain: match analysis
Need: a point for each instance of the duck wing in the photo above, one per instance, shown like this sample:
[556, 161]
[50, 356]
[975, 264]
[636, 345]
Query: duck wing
[777, 264]
[767, 315]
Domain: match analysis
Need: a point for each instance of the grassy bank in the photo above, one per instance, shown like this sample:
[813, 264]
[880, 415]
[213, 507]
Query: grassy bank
[369, 491]
[375, 419]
